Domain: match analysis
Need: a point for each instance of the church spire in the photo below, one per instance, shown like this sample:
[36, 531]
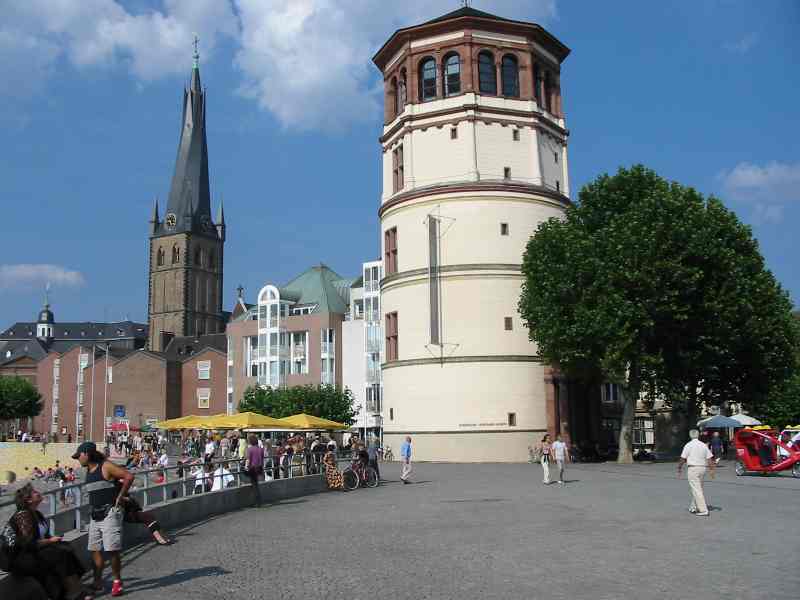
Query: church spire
[189, 203]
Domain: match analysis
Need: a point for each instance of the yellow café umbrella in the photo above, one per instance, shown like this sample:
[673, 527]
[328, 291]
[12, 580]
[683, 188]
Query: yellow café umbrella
[179, 423]
[304, 421]
[206, 422]
[249, 420]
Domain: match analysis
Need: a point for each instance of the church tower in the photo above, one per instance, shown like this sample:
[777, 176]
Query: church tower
[186, 247]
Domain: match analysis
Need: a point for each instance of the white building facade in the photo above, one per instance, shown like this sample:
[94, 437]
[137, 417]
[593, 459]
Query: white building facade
[474, 158]
[362, 350]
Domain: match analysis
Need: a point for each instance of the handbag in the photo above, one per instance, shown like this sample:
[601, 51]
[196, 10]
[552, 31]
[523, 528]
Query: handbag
[9, 546]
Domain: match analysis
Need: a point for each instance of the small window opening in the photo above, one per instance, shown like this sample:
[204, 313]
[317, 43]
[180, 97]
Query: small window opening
[509, 324]
[512, 419]
[503, 228]
[506, 172]
[391, 414]
[453, 133]
[515, 134]
[555, 156]
[558, 186]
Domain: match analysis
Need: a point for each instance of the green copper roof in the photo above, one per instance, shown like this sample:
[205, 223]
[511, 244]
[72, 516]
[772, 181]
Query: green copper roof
[322, 286]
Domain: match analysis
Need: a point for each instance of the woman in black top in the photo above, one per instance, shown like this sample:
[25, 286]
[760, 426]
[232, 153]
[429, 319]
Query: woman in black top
[48, 559]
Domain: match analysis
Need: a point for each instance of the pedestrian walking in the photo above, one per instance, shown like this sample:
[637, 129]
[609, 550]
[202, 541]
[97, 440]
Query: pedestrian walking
[107, 485]
[254, 465]
[545, 449]
[716, 447]
[405, 459]
[560, 452]
[697, 457]
[373, 451]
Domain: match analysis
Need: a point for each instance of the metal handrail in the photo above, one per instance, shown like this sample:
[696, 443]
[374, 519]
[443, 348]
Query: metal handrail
[151, 492]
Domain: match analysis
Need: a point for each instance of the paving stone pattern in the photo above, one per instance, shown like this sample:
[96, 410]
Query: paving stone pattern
[494, 531]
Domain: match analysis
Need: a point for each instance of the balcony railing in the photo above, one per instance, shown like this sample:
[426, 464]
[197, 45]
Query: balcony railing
[328, 378]
[373, 345]
[373, 316]
[299, 352]
[373, 407]
[327, 348]
[373, 375]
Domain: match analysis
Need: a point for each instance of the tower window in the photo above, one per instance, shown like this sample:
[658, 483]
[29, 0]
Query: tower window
[506, 172]
[401, 92]
[391, 414]
[390, 250]
[427, 79]
[555, 156]
[176, 255]
[453, 133]
[487, 76]
[509, 324]
[512, 419]
[452, 75]
[515, 135]
[391, 337]
[503, 228]
[510, 72]
[160, 257]
[558, 186]
[398, 169]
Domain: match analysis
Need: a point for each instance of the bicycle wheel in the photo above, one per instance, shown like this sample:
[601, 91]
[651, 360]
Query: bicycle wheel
[370, 478]
[349, 480]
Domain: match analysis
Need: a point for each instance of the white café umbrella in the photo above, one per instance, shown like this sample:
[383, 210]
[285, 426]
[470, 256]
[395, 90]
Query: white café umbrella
[745, 419]
[718, 422]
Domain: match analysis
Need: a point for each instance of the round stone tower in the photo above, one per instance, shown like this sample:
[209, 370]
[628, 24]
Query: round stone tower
[474, 158]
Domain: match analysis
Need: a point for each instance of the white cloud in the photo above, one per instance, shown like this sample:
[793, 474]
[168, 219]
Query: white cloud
[743, 45]
[768, 188]
[306, 61]
[309, 61]
[27, 277]
[92, 33]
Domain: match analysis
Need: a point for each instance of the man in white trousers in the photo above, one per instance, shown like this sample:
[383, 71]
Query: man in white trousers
[405, 458]
[697, 457]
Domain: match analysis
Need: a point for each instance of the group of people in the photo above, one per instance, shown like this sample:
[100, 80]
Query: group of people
[126, 443]
[52, 562]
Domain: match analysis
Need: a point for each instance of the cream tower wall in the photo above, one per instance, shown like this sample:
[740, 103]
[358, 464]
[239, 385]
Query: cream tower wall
[490, 168]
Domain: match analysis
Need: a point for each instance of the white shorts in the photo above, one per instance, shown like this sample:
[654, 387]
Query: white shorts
[107, 534]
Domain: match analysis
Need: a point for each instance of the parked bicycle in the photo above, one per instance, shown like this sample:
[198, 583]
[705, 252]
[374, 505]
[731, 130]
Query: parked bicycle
[357, 475]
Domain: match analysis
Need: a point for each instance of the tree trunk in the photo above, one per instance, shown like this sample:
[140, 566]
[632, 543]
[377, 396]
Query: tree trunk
[631, 395]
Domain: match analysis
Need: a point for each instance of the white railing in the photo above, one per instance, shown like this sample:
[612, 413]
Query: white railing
[327, 348]
[67, 507]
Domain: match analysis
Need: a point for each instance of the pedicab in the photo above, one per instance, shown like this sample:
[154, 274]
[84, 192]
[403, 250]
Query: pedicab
[756, 452]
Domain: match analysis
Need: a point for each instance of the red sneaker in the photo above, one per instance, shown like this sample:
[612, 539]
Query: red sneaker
[116, 588]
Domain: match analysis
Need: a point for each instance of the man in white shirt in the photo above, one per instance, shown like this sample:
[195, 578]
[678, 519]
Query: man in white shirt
[696, 456]
[561, 455]
[210, 448]
[163, 460]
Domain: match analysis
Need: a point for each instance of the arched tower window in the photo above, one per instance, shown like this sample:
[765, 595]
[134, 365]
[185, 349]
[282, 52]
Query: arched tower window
[402, 91]
[452, 75]
[537, 84]
[176, 254]
[510, 72]
[160, 257]
[427, 79]
[395, 97]
[487, 76]
[548, 92]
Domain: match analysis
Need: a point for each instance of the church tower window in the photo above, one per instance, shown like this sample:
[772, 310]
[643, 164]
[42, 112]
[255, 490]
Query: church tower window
[176, 254]
[452, 75]
[510, 71]
[427, 79]
[487, 75]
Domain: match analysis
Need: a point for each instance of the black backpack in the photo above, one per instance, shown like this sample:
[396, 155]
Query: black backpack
[9, 546]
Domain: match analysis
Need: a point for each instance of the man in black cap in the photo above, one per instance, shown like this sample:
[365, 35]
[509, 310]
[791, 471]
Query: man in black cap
[107, 485]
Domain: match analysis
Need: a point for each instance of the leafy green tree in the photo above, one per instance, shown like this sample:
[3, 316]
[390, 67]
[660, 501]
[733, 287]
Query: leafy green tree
[660, 290]
[19, 399]
[326, 401]
[782, 408]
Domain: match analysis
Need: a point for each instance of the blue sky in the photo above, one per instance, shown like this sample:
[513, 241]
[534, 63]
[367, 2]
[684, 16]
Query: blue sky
[704, 92]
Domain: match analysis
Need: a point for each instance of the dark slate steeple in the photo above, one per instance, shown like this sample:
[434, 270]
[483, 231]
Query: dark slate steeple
[189, 203]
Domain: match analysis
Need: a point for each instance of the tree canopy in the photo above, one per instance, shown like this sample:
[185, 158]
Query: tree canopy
[19, 399]
[326, 401]
[655, 287]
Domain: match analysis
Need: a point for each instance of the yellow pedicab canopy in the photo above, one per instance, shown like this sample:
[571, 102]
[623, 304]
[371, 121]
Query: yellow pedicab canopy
[304, 421]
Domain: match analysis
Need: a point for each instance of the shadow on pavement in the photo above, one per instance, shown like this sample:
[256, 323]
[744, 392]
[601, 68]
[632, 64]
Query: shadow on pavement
[181, 576]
